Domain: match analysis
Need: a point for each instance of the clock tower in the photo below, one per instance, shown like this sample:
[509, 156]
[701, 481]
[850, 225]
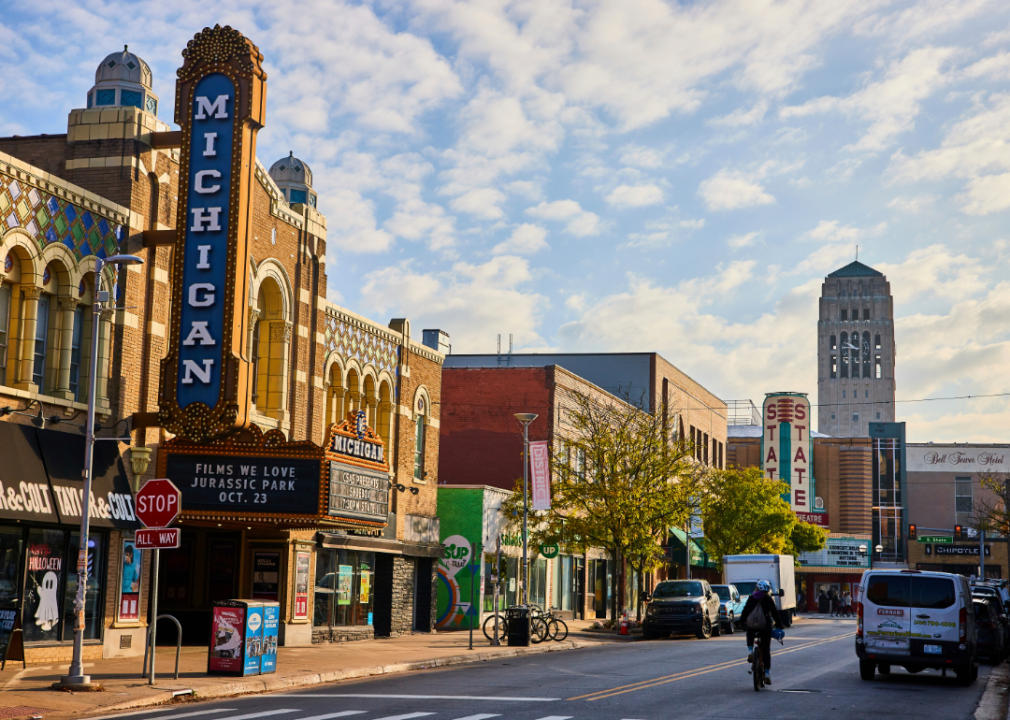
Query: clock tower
[855, 352]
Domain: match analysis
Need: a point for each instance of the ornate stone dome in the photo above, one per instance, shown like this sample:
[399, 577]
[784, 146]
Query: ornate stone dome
[123, 80]
[294, 178]
[124, 66]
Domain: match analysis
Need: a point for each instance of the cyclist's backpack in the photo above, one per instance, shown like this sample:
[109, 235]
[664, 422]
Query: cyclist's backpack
[757, 620]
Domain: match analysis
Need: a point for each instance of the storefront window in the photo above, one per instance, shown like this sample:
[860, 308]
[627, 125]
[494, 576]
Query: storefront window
[10, 559]
[344, 587]
[129, 584]
[93, 605]
[564, 587]
[538, 582]
[44, 576]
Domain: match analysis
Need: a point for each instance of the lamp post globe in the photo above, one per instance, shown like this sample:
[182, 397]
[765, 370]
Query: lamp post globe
[75, 675]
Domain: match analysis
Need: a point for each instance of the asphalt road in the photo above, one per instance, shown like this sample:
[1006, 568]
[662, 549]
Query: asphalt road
[815, 676]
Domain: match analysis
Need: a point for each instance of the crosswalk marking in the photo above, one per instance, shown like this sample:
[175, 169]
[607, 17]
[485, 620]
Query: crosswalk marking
[345, 713]
[406, 717]
[194, 714]
[480, 716]
[250, 716]
[556, 717]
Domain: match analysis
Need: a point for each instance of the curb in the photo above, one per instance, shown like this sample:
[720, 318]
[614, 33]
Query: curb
[993, 703]
[220, 690]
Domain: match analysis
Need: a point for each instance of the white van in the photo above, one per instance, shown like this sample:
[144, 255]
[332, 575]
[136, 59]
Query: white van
[917, 620]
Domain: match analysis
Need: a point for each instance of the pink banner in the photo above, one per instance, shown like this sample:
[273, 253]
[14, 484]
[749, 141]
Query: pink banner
[540, 471]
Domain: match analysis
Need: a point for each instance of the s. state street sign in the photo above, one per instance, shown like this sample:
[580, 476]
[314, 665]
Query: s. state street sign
[157, 538]
[158, 503]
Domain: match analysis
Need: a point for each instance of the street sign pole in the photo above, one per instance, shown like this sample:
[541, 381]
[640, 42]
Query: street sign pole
[981, 554]
[154, 613]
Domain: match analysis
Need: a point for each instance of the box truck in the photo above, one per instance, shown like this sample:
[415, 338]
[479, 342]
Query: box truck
[745, 570]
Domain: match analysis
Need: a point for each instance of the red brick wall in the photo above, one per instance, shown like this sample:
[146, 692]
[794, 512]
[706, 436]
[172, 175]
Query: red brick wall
[47, 152]
[480, 441]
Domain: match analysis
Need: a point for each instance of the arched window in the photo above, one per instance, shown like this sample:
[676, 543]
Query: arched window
[420, 416]
[864, 351]
[5, 320]
[385, 413]
[271, 338]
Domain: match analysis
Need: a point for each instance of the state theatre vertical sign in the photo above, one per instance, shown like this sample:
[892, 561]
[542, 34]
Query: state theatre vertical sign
[786, 450]
[220, 104]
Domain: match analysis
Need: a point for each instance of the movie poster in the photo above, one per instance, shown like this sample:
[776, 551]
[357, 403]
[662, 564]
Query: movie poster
[129, 584]
[302, 561]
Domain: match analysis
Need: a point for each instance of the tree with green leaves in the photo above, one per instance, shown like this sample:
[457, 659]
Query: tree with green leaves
[619, 480]
[744, 512]
[991, 511]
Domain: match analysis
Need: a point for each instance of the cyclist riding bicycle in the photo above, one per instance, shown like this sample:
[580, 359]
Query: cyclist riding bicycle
[761, 602]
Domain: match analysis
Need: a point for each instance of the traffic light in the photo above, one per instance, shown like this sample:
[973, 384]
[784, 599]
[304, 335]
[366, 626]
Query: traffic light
[911, 532]
[958, 532]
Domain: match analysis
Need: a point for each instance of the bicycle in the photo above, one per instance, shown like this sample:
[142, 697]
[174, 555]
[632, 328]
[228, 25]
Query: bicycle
[536, 613]
[548, 626]
[757, 665]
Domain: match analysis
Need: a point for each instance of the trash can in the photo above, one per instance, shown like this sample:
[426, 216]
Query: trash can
[243, 637]
[518, 620]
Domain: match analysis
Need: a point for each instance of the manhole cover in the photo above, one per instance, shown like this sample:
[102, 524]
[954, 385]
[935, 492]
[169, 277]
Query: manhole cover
[797, 690]
[21, 711]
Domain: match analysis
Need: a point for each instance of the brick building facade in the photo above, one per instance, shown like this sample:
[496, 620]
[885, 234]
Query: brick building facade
[111, 185]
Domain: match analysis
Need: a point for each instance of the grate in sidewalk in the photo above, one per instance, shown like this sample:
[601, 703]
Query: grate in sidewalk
[21, 711]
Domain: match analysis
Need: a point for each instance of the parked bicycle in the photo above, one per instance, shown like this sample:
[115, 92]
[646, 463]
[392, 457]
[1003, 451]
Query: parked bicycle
[543, 626]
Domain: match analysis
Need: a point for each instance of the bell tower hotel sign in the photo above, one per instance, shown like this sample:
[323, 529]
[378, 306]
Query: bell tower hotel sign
[220, 103]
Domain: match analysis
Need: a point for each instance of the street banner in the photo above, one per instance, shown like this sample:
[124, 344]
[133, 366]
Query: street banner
[786, 449]
[540, 472]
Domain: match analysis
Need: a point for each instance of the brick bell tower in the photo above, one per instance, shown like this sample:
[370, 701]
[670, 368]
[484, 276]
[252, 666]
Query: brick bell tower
[855, 352]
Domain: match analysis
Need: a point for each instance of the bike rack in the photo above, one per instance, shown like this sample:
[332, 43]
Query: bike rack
[178, 645]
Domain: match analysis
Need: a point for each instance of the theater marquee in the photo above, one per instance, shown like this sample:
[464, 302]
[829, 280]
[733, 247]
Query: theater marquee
[359, 475]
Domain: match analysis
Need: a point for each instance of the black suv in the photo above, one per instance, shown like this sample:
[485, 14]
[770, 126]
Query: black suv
[682, 606]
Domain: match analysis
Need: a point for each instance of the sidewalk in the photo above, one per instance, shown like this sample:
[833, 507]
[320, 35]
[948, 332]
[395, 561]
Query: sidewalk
[27, 693]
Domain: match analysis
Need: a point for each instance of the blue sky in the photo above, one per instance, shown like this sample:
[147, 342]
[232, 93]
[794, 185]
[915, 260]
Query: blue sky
[624, 175]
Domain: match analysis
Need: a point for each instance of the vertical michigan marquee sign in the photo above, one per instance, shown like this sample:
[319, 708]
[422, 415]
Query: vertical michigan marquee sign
[220, 103]
[786, 449]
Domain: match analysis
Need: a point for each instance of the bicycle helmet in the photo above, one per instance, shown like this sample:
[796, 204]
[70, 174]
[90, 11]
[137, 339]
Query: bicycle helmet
[778, 634]
[764, 586]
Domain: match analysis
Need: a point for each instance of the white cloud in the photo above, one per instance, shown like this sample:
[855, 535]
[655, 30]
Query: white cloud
[580, 222]
[351, 224]
[913, 204]
[627, 196]
[415, 219]
[742, 116]
[472, 302]
[643, 157]
[740, 241]
[525, 240]
[976, 149]
[732, 190]
[482, 202]
[892, 104]
[834, 231]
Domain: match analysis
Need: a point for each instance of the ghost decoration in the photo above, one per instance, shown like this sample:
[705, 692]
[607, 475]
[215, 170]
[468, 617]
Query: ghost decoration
[48, 614]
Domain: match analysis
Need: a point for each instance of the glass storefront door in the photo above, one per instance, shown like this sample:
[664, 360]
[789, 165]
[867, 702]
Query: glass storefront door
[344, 589]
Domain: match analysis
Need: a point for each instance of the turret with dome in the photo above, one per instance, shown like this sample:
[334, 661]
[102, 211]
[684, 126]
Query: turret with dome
[294, 178]
[123, 80]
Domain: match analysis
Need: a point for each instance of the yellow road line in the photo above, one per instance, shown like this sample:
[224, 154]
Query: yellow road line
[683, 675]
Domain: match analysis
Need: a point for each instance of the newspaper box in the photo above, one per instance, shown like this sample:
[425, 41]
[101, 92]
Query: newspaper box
[243, 637]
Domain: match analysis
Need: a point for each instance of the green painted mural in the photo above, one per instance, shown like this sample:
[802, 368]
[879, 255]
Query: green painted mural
[461, 511]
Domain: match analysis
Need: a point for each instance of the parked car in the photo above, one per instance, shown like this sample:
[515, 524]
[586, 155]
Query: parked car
[916, 619]
[990, 633]
[731, 604]
[998, 610]
[682, 606]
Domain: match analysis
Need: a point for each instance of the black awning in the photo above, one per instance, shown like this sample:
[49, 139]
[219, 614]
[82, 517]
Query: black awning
[24, 486]
[111, 497]
[41, 479]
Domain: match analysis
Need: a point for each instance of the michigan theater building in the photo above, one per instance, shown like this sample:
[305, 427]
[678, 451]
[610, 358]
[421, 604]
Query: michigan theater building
[304, 437]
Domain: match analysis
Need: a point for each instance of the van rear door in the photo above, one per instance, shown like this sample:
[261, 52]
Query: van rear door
[887, 617]
[935, 616]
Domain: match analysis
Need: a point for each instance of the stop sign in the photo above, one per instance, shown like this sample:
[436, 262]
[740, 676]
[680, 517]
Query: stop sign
[158, 503]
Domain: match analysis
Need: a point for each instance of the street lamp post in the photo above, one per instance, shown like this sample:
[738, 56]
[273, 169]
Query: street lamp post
[75, 675]
[525, 419]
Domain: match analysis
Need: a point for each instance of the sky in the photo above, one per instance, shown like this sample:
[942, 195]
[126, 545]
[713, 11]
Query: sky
[624, 175]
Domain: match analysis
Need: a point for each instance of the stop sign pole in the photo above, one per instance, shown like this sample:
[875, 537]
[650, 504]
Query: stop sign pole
[158, 504]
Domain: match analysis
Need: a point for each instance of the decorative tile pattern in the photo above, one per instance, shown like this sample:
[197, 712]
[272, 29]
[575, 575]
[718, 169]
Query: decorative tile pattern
[51, 219]
[353, 342]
